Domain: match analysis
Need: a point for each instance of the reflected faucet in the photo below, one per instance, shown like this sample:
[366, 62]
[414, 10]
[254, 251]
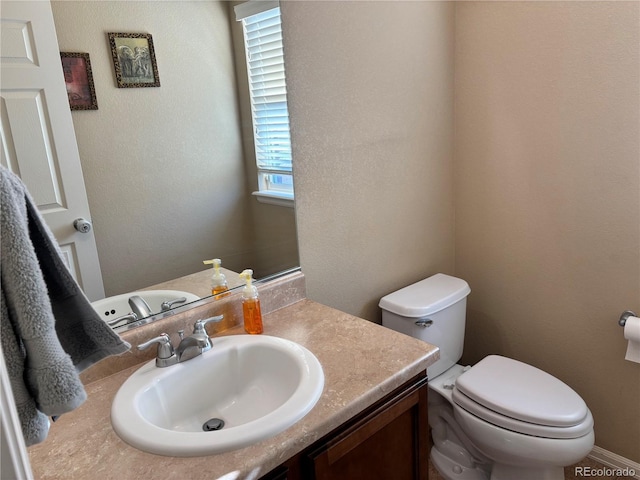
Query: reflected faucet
[139, 306]
[129, 317]
[167, 305]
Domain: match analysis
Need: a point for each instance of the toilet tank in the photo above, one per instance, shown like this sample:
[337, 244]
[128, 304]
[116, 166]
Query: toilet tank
[432, 310]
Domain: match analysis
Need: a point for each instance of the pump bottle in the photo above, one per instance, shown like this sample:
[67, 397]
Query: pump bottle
[251, 305]
[218, 280]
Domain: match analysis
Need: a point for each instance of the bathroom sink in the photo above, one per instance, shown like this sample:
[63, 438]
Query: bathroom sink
[245, 389]
[111, 308]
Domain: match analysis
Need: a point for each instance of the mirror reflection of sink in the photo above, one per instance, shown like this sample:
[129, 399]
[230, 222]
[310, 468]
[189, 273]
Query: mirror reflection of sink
[114, 307]
[256, 385]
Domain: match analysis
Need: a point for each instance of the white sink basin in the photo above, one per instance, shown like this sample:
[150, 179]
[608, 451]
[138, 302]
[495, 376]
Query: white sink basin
[257, 384]
[111, 308]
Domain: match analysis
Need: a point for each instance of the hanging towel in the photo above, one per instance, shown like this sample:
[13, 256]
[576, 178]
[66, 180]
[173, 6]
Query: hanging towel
[49, 331]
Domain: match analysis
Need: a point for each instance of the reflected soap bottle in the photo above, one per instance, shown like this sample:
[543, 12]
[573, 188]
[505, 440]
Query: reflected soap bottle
[251, 305]
[218, 280]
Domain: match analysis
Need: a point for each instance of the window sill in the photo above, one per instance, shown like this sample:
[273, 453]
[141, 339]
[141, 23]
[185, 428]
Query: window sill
[282, 199]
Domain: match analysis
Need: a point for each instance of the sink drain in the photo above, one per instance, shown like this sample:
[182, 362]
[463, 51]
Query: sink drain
[213, 425]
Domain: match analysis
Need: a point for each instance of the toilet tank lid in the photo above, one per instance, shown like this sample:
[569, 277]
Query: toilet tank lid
[426, 297]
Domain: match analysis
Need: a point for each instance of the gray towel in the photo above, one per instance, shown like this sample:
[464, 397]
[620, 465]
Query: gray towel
[49, 331]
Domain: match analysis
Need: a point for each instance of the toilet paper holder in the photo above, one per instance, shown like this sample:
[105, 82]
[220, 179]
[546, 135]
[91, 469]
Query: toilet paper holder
[623, 318]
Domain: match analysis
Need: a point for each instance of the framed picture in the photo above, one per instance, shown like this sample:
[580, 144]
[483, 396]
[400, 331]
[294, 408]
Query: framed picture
[79, 81]
[134, 60]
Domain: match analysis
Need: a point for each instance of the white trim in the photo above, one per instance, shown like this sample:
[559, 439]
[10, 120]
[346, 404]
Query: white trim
[253, 7]
[282, 199]
[613, 460]
[15, 459]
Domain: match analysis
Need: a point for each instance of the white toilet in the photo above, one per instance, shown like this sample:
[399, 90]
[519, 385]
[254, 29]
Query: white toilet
[500, 419]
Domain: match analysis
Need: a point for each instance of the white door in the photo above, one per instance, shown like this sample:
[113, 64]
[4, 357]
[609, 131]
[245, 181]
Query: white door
[38, 139]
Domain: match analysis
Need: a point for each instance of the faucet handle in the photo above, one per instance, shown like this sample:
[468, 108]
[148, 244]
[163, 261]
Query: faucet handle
[200, 333]
[168, 304]
[198, 327]
[165, 349]
[131, 316]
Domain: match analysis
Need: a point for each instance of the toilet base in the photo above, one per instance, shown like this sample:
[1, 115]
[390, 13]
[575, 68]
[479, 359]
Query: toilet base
[507, 472]
[452, 470]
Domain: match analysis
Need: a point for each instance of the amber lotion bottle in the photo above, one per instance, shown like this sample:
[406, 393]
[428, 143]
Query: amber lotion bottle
[251, 305]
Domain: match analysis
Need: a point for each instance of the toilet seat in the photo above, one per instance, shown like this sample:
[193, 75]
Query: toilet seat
[518, 426]
[522, 398]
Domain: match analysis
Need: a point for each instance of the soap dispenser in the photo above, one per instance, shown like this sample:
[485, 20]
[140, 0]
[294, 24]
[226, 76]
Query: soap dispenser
[218, 280]
[251, 305]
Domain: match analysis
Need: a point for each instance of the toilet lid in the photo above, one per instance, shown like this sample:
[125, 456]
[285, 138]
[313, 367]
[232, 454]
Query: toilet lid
[461, 401]
[522, 392]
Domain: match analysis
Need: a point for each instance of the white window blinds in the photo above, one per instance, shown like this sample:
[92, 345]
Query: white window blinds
[268, 91]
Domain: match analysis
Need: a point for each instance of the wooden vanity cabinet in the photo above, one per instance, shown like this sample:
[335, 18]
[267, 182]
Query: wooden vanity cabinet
[389, 440]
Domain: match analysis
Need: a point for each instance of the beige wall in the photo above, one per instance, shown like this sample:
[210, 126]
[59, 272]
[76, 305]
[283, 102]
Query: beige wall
[547, 172]
[166, 177]
[372, 122]
[547, 183]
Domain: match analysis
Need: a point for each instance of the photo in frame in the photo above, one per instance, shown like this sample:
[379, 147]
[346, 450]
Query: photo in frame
[134, 60]
[78, 80]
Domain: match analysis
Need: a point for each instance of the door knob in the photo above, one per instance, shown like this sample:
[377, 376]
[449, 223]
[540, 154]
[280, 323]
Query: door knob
[82, 225]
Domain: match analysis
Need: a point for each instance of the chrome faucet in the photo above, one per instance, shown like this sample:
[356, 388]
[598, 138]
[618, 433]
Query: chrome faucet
[188, 348]
[139, 306]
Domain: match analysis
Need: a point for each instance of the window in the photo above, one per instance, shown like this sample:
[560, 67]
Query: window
[268, 92]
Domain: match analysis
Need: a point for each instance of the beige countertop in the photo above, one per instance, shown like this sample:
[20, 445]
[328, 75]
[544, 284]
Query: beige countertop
[362, 362]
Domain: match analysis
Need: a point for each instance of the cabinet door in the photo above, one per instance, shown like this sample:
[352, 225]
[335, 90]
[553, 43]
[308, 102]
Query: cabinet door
[389, 443]
[289, 470]
[279, 473]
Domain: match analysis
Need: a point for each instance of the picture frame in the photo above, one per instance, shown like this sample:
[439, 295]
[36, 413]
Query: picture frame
[78, 79]
[134, 60]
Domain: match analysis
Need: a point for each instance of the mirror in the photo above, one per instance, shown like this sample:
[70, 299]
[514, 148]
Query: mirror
[170, 170]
